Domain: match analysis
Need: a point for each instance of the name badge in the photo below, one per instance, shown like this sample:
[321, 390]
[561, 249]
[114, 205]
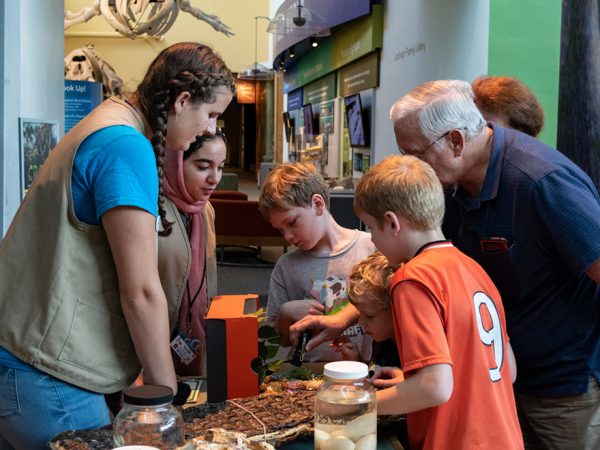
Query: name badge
[182, 348]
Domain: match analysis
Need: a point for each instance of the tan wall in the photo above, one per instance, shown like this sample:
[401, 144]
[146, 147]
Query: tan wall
[130, 58]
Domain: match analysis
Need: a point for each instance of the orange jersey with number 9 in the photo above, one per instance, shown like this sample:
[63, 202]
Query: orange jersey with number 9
[446, 310]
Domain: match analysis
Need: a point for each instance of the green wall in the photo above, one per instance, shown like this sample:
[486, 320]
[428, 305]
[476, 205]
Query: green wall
[524, 42]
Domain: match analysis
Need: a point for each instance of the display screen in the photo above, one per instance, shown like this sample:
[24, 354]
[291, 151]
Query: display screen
[309, 133]
[288, 124]
[354, 117]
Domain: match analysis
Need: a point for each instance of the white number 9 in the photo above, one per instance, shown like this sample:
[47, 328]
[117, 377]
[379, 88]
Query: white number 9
[493, 336]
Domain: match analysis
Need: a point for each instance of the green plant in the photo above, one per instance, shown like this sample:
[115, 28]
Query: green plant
[269, 340]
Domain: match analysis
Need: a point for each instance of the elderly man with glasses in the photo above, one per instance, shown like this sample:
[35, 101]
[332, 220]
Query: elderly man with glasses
[531, 218]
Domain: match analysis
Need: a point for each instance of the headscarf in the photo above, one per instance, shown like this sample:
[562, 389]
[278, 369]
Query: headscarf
[195, 298]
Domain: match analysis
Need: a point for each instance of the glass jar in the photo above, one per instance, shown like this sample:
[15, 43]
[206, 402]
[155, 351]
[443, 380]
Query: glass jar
[346, 408]
[148, 418]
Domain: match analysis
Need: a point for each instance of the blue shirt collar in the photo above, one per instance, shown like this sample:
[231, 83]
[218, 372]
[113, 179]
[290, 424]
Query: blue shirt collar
[491, 183]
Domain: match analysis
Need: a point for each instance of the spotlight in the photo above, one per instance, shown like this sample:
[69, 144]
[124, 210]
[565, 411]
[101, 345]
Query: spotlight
[292, 53]
[313, 41]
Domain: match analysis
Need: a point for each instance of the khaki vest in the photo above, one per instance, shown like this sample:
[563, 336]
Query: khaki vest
[174, 257]
[60, 309]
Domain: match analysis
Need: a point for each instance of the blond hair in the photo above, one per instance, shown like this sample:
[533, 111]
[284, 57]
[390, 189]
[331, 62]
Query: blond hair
[370, 281]
[290, 185]
[404, 185]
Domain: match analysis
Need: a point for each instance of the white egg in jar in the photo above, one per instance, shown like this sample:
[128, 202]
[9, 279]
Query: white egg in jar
[361, 426]
[337, 443]
[368, 442]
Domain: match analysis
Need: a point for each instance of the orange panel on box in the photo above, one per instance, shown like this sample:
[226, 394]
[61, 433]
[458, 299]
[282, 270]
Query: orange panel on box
[231, 345]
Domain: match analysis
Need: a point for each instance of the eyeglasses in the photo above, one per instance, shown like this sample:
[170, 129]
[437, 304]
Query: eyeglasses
[420, 152]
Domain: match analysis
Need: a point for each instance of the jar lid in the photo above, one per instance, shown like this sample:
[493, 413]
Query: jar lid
[346, 370]
[148, 395]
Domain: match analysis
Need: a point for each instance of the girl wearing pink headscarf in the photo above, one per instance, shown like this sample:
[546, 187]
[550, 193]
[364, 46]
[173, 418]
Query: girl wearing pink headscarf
[190, 179]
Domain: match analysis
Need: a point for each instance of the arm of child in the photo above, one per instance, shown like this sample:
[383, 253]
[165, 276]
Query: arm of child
[512, 363]
[385, 377]
[427, 387]
[324, 328]
[347, 349]
[293, 311]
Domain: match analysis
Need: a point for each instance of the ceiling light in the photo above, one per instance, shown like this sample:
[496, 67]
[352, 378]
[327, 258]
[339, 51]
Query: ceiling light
[256, 71]
[314, 42]
[292, 53]
[299, 20]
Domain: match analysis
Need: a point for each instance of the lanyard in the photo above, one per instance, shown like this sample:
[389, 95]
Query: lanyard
[192, 300]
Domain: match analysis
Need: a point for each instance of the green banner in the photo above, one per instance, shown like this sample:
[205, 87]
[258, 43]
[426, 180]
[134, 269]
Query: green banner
[358, 38]
[321, 90]
[363, 74]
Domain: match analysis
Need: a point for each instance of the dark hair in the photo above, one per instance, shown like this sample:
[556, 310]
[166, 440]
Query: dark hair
[200, 140]
[183, 67]
[509, 97]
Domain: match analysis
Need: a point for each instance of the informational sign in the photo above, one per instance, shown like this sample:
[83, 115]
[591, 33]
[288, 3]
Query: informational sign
[360, 75]
[321, 90]
[295, 100]
[80, 98]
[245, 91]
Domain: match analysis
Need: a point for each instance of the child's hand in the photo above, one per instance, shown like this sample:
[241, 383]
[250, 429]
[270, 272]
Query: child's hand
[297, 309]
[348, 349]
[385, 377]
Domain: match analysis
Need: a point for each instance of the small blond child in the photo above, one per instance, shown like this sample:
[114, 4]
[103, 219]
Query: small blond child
[446, 316]
[311, 279]
[369, 292]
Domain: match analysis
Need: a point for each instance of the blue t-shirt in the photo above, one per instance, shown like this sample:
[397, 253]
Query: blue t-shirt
[114, 166]
[548, 211]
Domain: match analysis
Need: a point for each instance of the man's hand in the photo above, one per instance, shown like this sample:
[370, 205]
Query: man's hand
[324, 329]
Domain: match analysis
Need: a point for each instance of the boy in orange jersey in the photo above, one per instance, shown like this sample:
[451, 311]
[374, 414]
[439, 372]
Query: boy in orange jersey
[447, 319]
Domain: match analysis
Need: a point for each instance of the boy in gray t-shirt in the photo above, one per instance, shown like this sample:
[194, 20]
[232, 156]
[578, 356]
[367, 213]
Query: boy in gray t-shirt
[313, 278]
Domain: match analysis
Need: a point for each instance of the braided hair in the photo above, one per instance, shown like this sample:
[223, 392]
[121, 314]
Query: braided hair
[200, 140]
[183, 67]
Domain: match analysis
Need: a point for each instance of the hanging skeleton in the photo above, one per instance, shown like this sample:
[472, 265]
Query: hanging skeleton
[135, 18]
[84, 64]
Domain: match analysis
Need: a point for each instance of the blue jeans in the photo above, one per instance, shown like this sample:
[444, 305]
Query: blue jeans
[35, 407]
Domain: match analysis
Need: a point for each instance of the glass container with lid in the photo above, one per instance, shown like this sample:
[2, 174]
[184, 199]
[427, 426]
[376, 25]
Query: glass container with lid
[148, 418]
[346, 408]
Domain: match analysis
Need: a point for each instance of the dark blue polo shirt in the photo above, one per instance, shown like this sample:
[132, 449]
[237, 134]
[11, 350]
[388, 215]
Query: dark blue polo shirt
[548, 212]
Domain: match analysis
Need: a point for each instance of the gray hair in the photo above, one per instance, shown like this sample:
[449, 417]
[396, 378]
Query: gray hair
[441, 105]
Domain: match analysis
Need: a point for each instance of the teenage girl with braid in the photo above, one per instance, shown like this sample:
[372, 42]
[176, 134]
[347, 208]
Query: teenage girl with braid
[82, 309]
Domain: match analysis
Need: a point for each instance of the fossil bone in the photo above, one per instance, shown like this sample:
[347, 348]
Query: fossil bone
[140, 18]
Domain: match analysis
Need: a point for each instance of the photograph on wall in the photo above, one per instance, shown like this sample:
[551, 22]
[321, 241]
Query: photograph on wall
[37, 138]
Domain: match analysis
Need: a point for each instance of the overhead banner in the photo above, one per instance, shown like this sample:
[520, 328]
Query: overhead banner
[353, 41]
[321, 90]
[295, 100]
[245, 91]
[360, 75]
